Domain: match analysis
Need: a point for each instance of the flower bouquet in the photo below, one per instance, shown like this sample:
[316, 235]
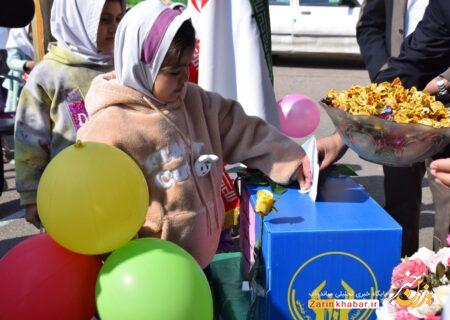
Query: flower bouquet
[419, 287]
[389, 124]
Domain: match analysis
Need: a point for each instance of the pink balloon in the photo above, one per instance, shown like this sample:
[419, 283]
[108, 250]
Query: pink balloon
[298, 114]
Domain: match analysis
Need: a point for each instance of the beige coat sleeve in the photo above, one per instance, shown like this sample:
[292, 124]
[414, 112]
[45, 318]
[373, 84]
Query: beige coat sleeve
[256, 143]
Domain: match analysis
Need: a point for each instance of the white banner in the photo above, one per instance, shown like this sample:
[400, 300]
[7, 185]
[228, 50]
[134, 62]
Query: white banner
[232, 60]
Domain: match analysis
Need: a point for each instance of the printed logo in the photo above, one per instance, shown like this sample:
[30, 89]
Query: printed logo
[333, 285]
[405, 297]
[76, 107]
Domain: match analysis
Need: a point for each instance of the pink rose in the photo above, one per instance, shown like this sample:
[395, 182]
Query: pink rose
[442, 255]
[403, 314]
[433, 317]
[408, 273]
[423, 254]
[448, 239]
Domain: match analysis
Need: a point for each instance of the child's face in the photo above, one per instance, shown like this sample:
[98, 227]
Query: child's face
[109, 20]
[171, 80]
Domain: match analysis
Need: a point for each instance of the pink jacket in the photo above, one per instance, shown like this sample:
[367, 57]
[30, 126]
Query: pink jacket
[168, 141]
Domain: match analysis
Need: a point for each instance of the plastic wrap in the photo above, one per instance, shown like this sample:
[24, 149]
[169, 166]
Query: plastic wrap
[386, 142]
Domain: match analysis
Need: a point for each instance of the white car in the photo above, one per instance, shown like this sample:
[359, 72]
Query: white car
[314, 26]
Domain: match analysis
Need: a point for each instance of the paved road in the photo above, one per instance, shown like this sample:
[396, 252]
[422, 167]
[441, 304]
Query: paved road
[312, 77]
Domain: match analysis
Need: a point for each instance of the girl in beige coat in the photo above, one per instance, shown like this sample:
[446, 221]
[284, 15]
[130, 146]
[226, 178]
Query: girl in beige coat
[179, 134]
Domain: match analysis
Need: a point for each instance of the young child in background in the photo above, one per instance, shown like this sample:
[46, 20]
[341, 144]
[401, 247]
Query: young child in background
[20, 62]
[51, 105]
[4, 34]
[179, 134]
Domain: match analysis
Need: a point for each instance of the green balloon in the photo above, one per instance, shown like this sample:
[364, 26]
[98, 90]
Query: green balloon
[151, 278]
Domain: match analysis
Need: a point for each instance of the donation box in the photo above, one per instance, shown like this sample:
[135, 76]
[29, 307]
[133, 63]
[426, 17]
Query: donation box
[327, 260]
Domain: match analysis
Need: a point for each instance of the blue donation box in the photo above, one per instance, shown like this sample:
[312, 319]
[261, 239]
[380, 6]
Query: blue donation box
[327, 260]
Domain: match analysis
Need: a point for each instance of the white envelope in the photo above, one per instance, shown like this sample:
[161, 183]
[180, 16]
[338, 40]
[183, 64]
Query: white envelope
[310, 147]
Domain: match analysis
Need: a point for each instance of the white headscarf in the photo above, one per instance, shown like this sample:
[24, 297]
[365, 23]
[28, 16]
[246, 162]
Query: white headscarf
[74, 24]
[18, 38]
[142, 40]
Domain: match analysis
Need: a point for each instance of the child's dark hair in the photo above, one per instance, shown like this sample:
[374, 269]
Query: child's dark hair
[120, 1]
[184, 39]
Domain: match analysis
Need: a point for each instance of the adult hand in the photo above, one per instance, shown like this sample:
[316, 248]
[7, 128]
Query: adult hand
[304, 176]
[432, 88]
[440, 169]
[32, 216]
[330, 150]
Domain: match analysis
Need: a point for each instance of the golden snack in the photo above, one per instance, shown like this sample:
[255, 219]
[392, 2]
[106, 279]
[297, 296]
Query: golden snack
[391, 101]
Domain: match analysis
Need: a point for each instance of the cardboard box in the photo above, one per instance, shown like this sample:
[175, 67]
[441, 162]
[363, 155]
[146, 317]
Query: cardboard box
[342, 248]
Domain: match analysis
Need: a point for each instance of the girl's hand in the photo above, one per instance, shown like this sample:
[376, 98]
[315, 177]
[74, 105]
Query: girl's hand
[304, 176]
[32, 215]
[440, 169]
[29, 65]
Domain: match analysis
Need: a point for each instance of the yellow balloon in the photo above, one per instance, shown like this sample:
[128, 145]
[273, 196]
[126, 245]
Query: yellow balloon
[92, 198]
